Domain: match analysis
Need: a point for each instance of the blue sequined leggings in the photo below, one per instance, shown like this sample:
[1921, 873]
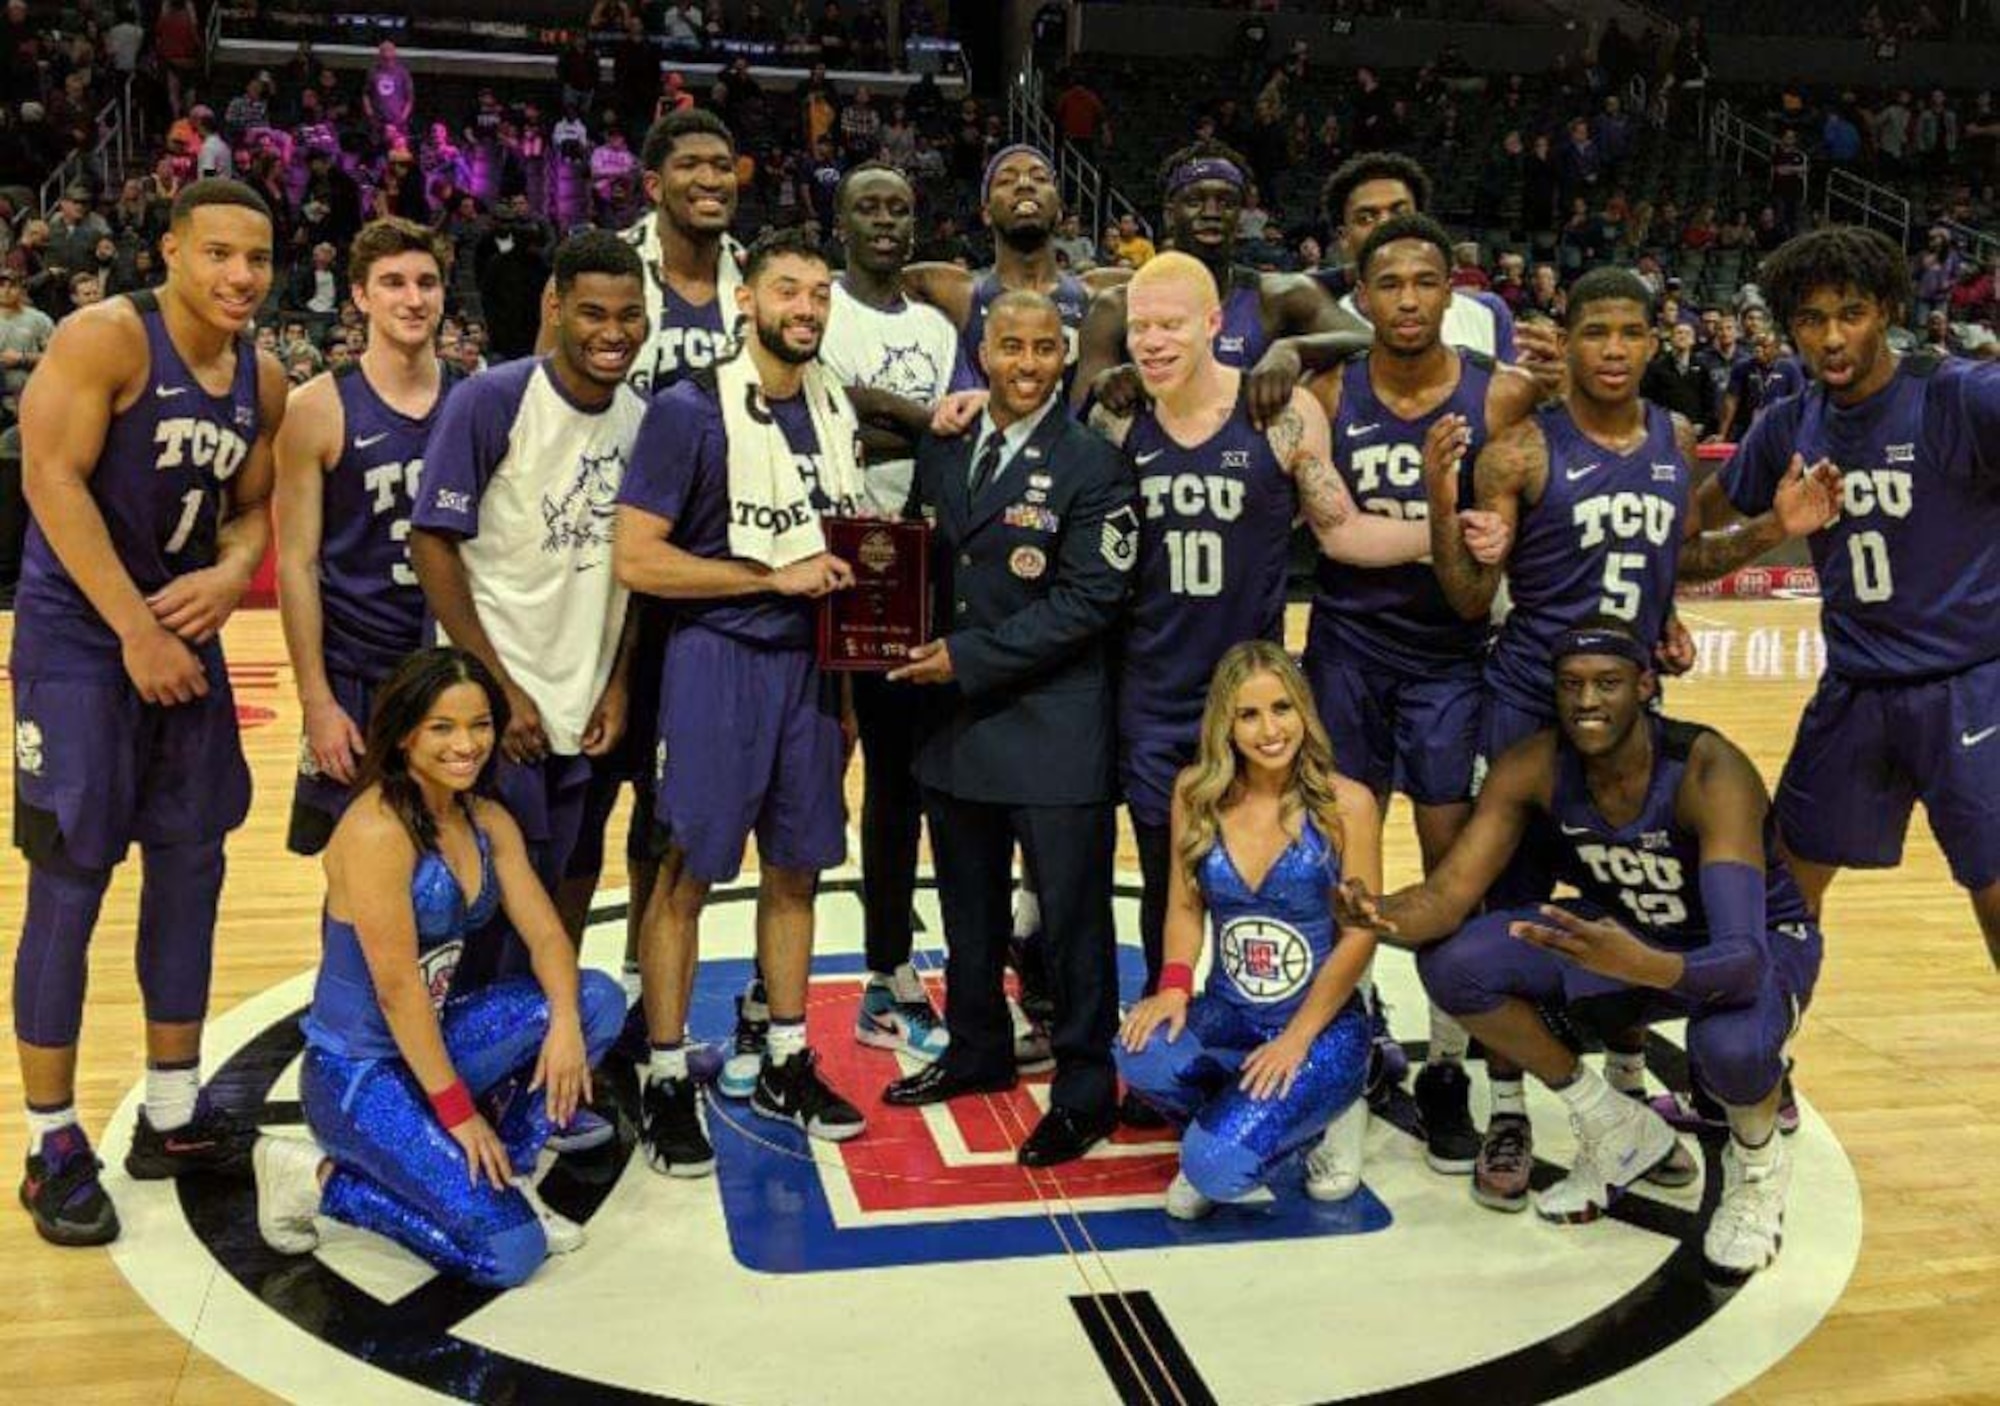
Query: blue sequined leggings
[1233, 1143]
[398, 1173]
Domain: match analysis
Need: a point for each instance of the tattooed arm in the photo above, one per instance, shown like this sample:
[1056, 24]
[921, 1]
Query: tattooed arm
[1719, 539]
[1513, 466]
[1302, 441]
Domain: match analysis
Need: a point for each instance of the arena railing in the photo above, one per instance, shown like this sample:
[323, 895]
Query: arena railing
[113, 149]
[1085, 190]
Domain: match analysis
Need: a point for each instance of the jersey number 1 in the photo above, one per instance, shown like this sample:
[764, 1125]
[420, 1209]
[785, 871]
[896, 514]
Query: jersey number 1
[191, 502]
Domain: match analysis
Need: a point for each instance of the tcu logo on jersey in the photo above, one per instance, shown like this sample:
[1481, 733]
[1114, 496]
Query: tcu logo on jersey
[675, 350]
[1887, 491]
[1191, 495]
[394, 487]
[1624, 516]
[1398, 465]
[199, 444]
[1636, 871]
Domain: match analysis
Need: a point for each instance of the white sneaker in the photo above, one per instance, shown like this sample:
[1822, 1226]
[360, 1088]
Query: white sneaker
[287, 1173]
[1333, 1169]
[562, 1233]
[1748, 1227]
[1033, 1051]
[1615, 1146]
[1184, 1202]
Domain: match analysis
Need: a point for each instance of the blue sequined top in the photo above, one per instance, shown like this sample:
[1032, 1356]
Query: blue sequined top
[1270, 942]
[346, 1019]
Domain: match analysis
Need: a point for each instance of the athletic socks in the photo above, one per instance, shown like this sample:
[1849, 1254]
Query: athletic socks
[667, 1062]
[1507, 1096]
[1764, 1154]
[171, 1093]
[43, 1121]
[787, 1038]
[1625, 1071]
[632, 983]
[1449, 1039]
[1585, 1094]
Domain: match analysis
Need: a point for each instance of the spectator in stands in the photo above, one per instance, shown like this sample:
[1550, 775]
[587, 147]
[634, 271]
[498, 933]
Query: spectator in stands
[1677, 382]
[1465, 271]
[614, 171]
[1081, 117]
[390, 94]
[84, 290]
[18, 37]
[680, 29]
[1893, 131]
[1789, 165]
[1133, 248]
[1938, 336]
[1936, 132]
[213, 156]
[1580, 165]
[249, 109]
[314, 287]
[831, 35]
[1545, 294]
[74, 230]
[1311, 255]
[335, 192]
[1541, 188]
[1840, 133]
[577, 73]
[145, 271]
[1613, 134]
[1370, 112]
[861, 127]
[1972, 295]
[401, 188]
[24, 335]
[178, 44]
[635, 73]
[1073, 246]
[511, 266]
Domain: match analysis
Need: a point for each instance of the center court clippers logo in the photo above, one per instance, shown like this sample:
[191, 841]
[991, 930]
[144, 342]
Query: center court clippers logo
[834, 1233]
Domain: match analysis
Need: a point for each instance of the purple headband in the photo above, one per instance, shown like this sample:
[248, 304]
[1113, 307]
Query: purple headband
[1207, 168]
[1612, 642]
[986, 180]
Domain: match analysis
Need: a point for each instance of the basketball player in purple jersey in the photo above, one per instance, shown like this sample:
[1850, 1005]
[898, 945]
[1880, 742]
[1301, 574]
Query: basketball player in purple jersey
[1203, 187]
[348, 462]
[1022, 205]
[1218, 497]
[146, 456]
[691, 273]
[720, 518]
[1686, 910]
[1909, 570]
[1598, 488]
[1394, 668]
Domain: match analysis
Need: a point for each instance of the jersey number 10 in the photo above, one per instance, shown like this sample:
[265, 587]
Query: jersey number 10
[1194, 563]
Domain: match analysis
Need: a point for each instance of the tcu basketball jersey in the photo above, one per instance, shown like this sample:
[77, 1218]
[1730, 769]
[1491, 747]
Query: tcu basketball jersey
[1648, 873]
[1242, 341]
[1397, 616]
[1072, 301]
[1214, 533]
[1271, 941]
[368, 591]
[1605, 539]
[159, 484]
[1910, 570]
[684, 337]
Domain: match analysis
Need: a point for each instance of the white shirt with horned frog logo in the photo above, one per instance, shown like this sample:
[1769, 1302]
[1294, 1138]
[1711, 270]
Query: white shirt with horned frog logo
[527, 480]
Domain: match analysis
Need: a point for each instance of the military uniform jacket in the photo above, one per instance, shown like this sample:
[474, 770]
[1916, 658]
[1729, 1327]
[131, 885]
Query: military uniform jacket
[1029, 580]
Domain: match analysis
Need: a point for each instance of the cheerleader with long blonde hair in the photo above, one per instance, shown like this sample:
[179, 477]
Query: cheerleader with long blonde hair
[1275, 1049]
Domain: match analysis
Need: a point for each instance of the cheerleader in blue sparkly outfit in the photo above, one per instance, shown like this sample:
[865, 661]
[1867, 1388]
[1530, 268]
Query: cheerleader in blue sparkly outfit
[400, 1079]
[1276, 1048]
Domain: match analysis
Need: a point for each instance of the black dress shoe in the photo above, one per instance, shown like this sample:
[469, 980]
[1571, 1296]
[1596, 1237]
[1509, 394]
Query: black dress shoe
[934, 1084]
[1064, 1135]
[1135, 1112]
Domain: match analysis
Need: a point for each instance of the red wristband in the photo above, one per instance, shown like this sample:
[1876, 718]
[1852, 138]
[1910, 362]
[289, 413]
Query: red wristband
[452, 1103]
[1177, 976]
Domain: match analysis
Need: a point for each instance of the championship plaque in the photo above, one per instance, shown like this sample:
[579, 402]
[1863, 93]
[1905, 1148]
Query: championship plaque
[887, 612]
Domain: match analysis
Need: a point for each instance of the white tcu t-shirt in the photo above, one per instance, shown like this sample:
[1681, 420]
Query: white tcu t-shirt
[909, 352]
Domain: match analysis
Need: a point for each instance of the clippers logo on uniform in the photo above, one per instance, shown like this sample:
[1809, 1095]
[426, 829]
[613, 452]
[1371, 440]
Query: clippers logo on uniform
[1649, 884]
[579, 522]
[438, 966]
[186, 442]
[1267, 961]
[28, 747]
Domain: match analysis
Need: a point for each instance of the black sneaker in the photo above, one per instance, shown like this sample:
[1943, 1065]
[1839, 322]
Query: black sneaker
[794, 1093]
[62, 1193]
[214, 1140]
[673, 1129]
[1444, 1098]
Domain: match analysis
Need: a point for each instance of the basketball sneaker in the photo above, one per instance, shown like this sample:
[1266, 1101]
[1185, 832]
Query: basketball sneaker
[1506, 1161]
[896, 1015]
[1387, 1061]
[62, 1193]
[753, 1030]
[1697, 1111]
[1184, 1202]
[1748, 1227]
[1333, 1169]
[561, 1234]
[1444, 1098]
[214, 1140]
[584, 1131]
[794, 1093]
[1680, 1169]
[673, 1129]
[288, 1187]
[1617, 1143]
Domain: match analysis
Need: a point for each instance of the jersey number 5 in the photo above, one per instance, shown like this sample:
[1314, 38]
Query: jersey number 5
[1622, 574]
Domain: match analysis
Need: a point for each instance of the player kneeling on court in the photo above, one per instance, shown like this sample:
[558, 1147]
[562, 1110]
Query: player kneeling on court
[1276, 1048]
[1687, 910]
[430, 1113]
